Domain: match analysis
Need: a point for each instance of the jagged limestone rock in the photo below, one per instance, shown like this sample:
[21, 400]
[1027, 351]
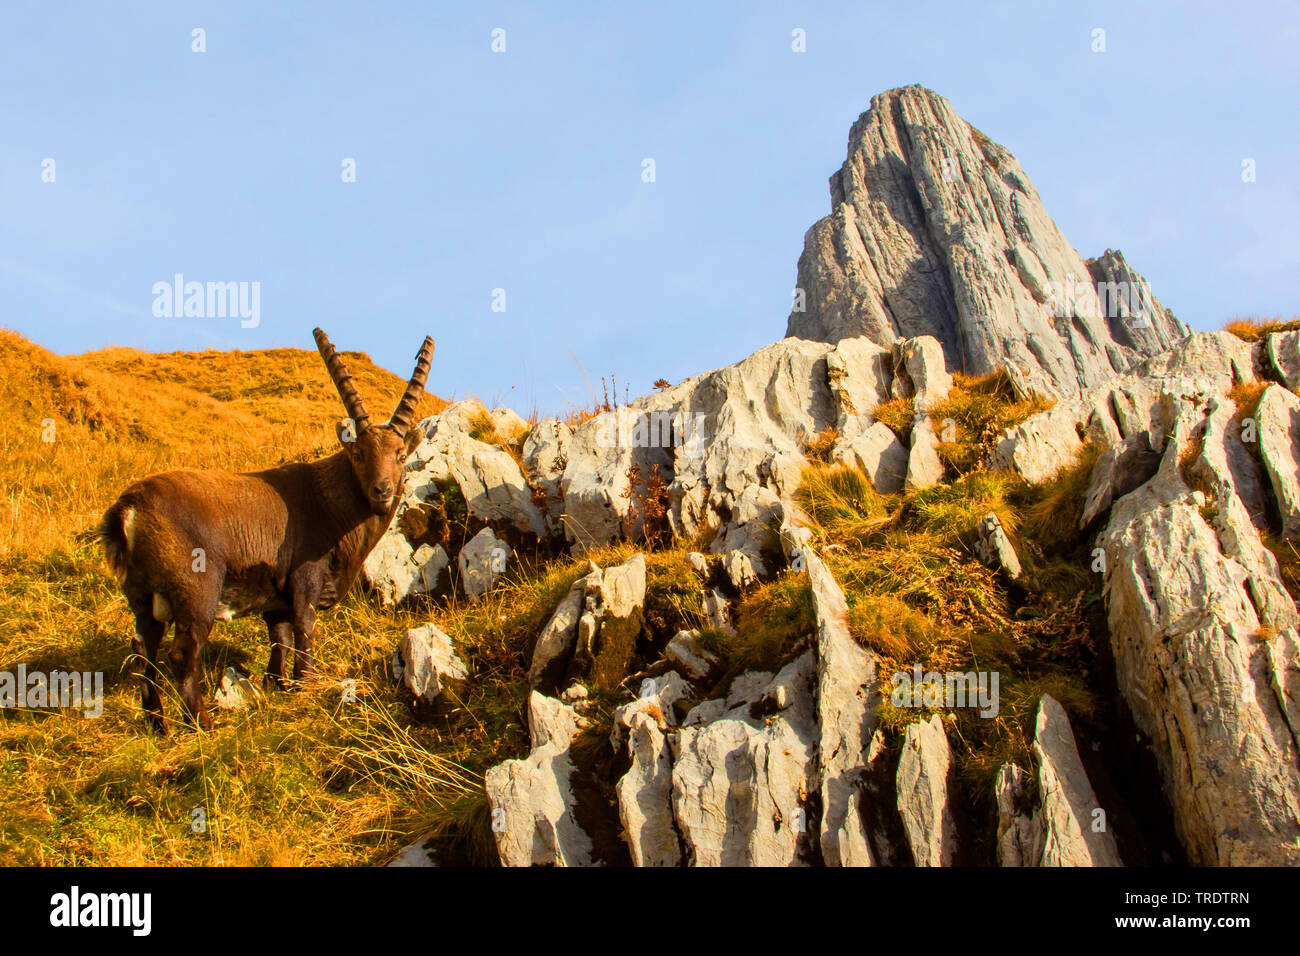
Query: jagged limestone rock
[728, 444]
[481, 561]
[920, 373]
[936, 230]
[557, 640]
[1226, 462]
[1069, 814]
[658, 698]
[1278, 417]
[995, 547]
[1020, 830]
[645, 804]
[1118, 470]
[1204, 638]
[685, 653]
[410, 557]
[611, 620]
[532, 799]
[1200, 366]
[425, 661]
[739, 569]
[923, 793]
[1282, 350]
[847, 695]
[545, 455]
[740, 781]
[924, 468]
[879, 453]
[397, 571]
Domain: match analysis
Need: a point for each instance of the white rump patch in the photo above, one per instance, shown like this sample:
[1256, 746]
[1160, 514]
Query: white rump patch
[128, 528]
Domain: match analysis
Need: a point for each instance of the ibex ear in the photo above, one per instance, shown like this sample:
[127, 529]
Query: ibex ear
[413, 438]
[346, 429]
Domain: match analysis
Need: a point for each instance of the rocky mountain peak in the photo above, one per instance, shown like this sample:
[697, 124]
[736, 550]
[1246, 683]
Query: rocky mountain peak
[936, 230]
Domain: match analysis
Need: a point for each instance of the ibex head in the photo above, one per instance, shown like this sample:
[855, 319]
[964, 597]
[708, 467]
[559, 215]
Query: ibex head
[377, 452]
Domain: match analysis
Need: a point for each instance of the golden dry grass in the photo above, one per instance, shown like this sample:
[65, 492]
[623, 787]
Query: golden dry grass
[1252, 329]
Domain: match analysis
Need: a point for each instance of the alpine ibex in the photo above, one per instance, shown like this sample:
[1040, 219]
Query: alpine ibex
[191, 547]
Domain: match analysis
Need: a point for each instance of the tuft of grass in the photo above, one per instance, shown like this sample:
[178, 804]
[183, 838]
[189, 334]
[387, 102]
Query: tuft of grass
[820, 446]
[1254, 328]
[897, 413]
[840, 499]
[771, 625]
[952, 512]
[483, 427]
[1052, 509]
[980, 409]
[1246, 396]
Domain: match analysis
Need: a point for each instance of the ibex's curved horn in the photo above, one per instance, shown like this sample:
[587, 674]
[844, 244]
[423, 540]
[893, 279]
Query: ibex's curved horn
[401, 419]
[342, 381]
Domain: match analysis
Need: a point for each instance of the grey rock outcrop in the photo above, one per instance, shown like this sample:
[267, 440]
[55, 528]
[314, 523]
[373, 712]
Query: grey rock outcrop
[558, 638]
[879, 453]
[995, 547]
[1204, 636]
[847, 694]
[1073, 830]
[532, 799]
[936, 230]
[923, 793]
[645, 797]
[740, 782]
[1064, 826]
[545, 456]
[425, 661]
[1202, 365]
[684, 652]
[590, 633]
[482, 560]
[410, 558]
[658, 699]
[924, 469]
[920, 372]
[1282, 350]
[1020, 829]
[1278, 418]
[729, 445]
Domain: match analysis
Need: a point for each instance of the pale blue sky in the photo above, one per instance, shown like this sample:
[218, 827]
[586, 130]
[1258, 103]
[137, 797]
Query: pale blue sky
[522, 170]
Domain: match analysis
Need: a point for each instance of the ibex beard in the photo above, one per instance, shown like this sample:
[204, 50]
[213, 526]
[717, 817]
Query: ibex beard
[194, 547]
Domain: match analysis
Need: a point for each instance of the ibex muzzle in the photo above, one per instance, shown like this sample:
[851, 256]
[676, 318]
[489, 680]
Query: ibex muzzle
[194, 546]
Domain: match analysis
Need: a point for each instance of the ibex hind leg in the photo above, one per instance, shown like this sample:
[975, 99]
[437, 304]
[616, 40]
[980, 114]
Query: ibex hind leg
[149, 634]
[186, 651]
[279, 626]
